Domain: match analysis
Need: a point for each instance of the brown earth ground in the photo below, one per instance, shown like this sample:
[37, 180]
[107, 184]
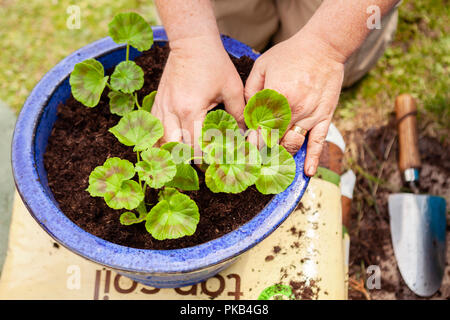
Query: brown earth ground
[416, 63]
[372, 154]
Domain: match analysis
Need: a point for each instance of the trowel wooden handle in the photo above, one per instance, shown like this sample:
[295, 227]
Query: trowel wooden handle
[406, 110]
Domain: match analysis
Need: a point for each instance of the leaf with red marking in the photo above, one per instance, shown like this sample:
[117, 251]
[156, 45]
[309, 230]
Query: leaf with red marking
[138, 128]
[269, 111]
[111, 181]
[180, 152]
[233, 172]
[128, 196]
[219, 128]
[277, 171]
[131, 28]
[88, 81]
[120, 103]
[156, 167]
[109, 176]
[174, 216]
[127, 77]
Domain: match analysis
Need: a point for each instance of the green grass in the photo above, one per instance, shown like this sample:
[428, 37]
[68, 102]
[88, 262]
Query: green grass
[34, 37]
[417, 62]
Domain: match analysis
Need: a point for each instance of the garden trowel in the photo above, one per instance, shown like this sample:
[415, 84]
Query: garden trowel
[418, 222]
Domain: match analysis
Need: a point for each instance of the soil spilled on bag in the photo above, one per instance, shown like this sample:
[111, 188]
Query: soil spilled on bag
[80, 141]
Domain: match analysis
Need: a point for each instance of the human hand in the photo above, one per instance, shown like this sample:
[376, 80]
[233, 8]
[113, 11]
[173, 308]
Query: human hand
[198, 75]
[309, 73]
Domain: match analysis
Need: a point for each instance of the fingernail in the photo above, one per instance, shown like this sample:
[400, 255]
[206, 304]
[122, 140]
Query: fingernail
[311, 169]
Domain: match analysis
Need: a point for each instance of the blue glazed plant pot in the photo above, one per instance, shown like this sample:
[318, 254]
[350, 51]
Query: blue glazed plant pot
[157, 268]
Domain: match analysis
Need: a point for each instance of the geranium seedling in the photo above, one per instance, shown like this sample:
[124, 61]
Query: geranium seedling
[88, 79]
[112, 182]
[234, 164]
[231, 163]
[174, 216]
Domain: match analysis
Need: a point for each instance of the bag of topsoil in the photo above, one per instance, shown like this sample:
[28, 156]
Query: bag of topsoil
[302, 259]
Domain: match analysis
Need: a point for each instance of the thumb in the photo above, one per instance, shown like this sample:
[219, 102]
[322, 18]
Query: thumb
[255, 80]
[233, 98]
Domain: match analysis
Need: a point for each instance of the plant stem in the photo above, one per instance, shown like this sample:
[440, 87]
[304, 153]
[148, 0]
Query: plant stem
[142, 210]
[108, 85]
[193, 158]
[136, 100]
[139, 159]
[128, 52]
[145, 187]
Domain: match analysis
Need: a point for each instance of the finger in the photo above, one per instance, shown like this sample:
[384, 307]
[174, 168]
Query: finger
[171, 125]
[302, 111]
[316, 140]
[172, 128]
[255, 138]
[293, 141]
[191, 127]
[255, 80]
[233, 98]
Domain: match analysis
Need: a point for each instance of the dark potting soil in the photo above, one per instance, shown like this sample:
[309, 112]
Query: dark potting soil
[80, 141]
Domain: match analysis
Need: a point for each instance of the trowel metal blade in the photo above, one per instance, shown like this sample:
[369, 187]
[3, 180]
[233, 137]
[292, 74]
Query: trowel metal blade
[418, 225]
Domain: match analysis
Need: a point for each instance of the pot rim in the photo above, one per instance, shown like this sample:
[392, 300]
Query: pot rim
[46, 212]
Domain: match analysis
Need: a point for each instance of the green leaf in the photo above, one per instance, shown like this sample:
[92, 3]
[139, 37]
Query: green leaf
[268, 110]
[175, 216]
[219, 128]
[186, 178]
[180, 152]
[131, 28]
[157, 167]
[138, 128]
[108, 178]
[88, 81]
[111, 182]
[128, 218]
[277, 171]
[120, 103]
[148, 101]
[129, 196]
[127, 77]
[167, 193]
[233, 173]
[210, 182]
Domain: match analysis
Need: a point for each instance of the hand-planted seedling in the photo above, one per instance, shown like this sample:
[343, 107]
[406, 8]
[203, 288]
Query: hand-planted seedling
[232, 164]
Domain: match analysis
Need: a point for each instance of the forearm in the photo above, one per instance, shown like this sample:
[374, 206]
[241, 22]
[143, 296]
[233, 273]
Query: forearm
[342, 24]
[185, 19]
